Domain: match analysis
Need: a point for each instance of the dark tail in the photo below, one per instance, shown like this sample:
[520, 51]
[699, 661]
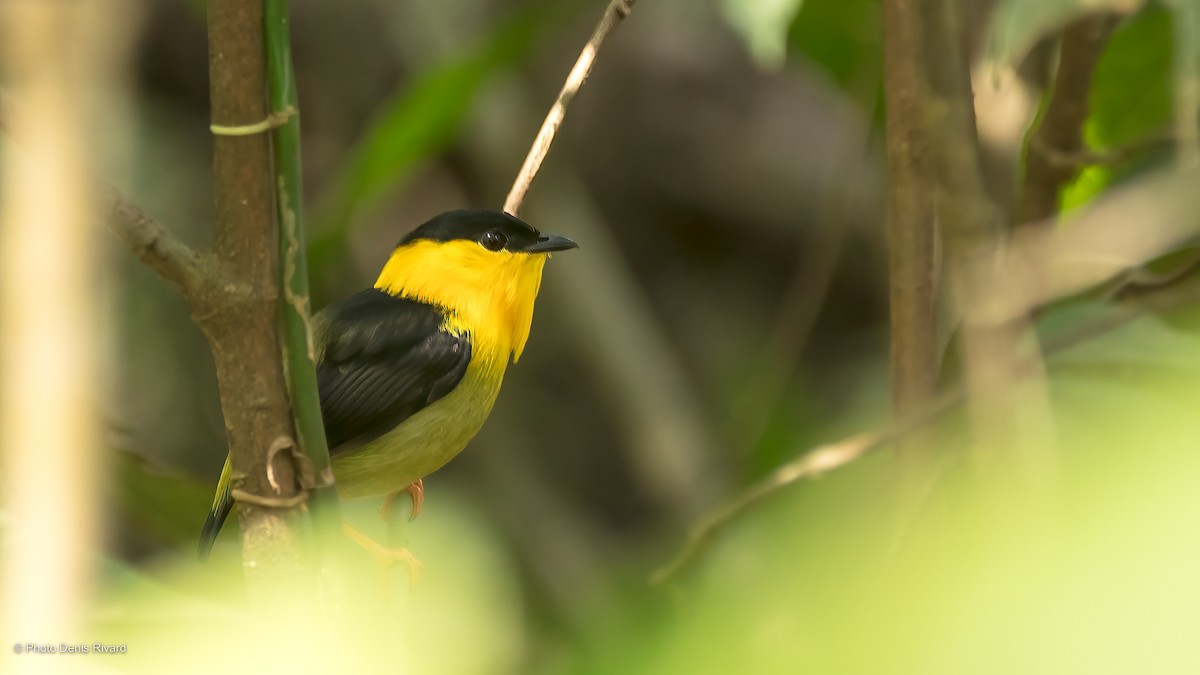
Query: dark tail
[221, 506]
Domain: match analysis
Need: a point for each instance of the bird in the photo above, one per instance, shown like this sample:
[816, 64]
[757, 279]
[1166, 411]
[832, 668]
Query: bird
[409, 369]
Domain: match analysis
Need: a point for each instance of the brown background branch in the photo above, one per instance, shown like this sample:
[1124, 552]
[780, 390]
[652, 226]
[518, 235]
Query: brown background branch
[913, 253]
[1061, 130]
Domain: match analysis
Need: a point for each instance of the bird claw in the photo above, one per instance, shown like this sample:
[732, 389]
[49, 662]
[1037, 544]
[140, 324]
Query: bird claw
[416, 491]
[385, 556]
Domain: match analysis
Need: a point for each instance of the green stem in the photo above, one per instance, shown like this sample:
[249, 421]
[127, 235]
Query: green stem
[1187, 83]
[299, 354]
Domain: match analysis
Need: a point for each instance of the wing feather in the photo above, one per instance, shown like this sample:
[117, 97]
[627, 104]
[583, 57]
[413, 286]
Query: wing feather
[384, 359]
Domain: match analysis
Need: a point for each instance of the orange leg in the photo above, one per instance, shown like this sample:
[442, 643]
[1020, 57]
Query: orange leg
[416, 491]
[386, 557]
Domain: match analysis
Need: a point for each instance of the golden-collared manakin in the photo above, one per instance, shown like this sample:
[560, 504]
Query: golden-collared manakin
[408, 371]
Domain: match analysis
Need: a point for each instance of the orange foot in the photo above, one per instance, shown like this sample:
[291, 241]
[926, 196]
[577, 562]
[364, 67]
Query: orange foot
[416, 491]
[386, 557]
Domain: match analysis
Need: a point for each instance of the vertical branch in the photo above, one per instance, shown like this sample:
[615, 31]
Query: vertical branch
[1060, 131]
[300, 358]
[1187, 83]
[242, 323]
[911, 232]
[617, 10]
[996, 331]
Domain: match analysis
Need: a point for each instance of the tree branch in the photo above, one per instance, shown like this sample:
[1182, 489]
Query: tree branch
[1060, 132]
[154, 245]
[810, 465]
[617, 10]
[243, 329]
[1011, 431]
[911, 235]
[1085, 157]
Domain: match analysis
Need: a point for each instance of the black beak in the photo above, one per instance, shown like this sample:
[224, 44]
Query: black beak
[548, 243]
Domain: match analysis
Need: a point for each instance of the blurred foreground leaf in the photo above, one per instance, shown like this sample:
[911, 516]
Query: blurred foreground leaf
[1099, 578]
[465, 617]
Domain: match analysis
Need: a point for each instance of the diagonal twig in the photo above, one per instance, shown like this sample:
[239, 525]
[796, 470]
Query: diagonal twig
[617, 10]
[153, 243]
[815, 463]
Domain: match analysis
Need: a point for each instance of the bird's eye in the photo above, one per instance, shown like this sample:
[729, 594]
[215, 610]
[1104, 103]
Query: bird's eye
[493, 240]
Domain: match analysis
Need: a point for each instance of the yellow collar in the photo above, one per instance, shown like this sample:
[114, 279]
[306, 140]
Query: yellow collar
[488, 294]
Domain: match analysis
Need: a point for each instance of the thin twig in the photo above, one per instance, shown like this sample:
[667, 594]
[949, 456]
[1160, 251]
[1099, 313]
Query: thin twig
[1083, 157]
[1137, 302]
[810, 465]
[617, 10]
[154, 244]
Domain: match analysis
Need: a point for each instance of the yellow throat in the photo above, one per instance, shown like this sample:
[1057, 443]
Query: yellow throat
[488, 294]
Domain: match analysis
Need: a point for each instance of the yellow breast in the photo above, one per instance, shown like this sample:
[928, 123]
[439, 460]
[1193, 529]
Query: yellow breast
[488, 297]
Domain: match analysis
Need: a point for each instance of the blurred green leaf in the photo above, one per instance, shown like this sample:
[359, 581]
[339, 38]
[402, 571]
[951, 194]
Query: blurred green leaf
[1131, 89]
[1018, 25]
[409, 128]
[763, 25]
[1130, 101]
[1087, 186]
[845, 37]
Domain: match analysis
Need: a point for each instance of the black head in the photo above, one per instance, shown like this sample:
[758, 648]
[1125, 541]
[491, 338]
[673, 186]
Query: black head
[493, 230]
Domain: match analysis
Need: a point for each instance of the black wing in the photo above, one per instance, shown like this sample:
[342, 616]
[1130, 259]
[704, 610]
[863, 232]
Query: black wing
[384, 359]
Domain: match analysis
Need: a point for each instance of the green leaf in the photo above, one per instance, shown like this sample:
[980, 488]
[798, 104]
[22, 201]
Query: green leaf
[763, 25]
[845, 37]
[1131, 90]
[1018, 25]
[1130, 101]
[1088, 185]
